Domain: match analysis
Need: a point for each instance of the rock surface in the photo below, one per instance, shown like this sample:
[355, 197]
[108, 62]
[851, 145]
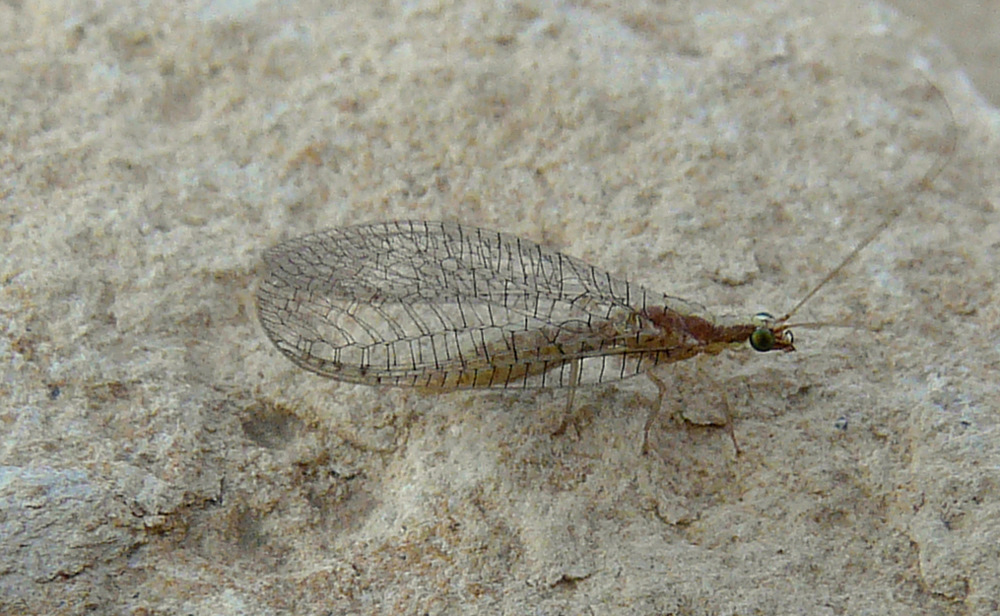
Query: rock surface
[160, 457]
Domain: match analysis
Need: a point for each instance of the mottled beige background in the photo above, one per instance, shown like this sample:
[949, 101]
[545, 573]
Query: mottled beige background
[158, 456]
[971, 29]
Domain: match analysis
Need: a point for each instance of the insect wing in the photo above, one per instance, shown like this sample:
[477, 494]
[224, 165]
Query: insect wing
[443, 306]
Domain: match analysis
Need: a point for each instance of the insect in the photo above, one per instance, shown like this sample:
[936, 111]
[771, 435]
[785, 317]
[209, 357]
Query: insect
[442, 306]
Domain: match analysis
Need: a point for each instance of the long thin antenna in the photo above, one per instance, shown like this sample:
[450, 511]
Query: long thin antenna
[926, 181]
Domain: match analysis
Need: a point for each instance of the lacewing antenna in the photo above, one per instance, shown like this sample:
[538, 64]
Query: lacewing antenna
[925, 181]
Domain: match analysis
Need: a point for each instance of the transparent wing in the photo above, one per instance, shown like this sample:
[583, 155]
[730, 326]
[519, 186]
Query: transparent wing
[443, 306]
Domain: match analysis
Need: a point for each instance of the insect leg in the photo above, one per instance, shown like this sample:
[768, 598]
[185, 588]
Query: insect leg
[729, 422]
[574, 380]
[653, 412]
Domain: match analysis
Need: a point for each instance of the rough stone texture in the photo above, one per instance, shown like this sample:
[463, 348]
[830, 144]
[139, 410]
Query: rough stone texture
[971, 29]
[159, 457]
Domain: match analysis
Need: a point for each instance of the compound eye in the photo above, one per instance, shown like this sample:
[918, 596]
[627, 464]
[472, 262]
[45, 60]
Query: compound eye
[762, 339]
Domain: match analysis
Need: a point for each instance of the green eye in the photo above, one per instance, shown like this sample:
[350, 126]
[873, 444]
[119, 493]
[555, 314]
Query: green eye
[762, 339]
